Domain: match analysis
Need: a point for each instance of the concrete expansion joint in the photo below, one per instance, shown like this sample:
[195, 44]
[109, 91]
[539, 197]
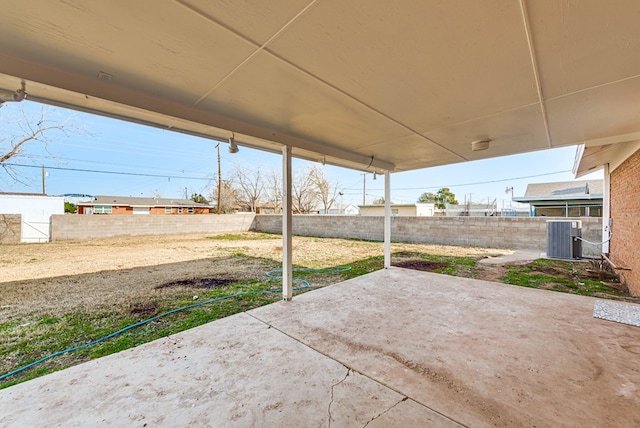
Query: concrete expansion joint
[332, 389]
[404, 398]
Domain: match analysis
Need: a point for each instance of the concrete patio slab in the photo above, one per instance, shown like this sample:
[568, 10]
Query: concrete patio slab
[392, 348]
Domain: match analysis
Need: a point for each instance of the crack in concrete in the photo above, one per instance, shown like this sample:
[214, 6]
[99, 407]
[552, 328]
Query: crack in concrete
[405, 398]
[332, 388]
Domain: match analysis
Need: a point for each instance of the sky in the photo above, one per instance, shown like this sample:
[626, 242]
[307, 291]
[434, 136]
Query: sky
[102, 156]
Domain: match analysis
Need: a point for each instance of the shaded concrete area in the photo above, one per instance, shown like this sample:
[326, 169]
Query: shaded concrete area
[394, 348]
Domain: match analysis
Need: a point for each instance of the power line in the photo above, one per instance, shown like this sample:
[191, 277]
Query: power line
[97, 171]
[476, 183]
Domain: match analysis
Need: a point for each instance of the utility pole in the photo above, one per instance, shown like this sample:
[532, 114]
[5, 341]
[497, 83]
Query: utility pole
[219, 181]
[44, 191]
[364, 189]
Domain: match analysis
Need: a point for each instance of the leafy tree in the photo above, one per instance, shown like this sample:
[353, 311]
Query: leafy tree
[443, 197]
[70, 208]
[378, 201]
[427, 197]
[198, 198]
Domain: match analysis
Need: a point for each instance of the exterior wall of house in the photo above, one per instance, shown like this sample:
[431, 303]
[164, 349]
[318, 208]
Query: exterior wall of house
[10, 228]
[625, 214]
[152, 210]
[396, 210]
[518, 233]
[581, 211]
[84, 227]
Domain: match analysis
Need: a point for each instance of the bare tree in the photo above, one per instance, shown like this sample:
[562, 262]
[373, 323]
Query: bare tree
[273, 190]
[326, 191]
[303, 195]
[250, 186]
[228, 196]
[20, 132]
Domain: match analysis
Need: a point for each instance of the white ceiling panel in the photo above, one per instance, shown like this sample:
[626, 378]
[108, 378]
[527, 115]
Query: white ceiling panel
[257, 20]
[428, 65]
[271, 93]
[585, 43]
[413, 150]
[601, 112]
[522, 128]
[365, 84]
[145, 48]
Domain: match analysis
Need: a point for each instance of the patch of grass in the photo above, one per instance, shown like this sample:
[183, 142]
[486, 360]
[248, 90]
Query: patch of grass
[26, 342]
[525, 277]
[244, 236]
[559, 275]
[362, 267]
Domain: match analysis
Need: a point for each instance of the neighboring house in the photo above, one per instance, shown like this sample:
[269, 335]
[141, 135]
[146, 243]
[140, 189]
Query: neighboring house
[36, 211]
[343, 210]
[470, 210]
[135, 205]
[402, 210]
[621, 201]
[351, 210]
[564, 199]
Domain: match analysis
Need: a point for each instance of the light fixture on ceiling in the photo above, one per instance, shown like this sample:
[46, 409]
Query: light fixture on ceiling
[233, 147]
[375, 175]
[479, 145]
[15, 96]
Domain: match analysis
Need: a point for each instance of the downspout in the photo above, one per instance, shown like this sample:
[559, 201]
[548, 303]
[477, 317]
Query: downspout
[606, 210]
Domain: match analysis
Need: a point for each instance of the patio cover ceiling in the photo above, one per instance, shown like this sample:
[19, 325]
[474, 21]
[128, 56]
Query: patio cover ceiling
[372, 85]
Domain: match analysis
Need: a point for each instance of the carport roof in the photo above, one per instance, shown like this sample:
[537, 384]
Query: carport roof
[371, 85]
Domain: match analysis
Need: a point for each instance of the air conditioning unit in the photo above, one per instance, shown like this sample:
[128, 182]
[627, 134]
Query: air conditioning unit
[563, 239]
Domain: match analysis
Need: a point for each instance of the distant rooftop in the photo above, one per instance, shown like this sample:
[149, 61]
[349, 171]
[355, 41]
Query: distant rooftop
[563, 190]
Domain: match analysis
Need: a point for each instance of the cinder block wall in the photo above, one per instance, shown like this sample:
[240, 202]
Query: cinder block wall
[625, 213]
[498, 232]
[83, 227]
[10, 228]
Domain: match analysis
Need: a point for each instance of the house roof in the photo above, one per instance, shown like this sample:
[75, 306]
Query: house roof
[141, 202]
[563, 191]
[336, 80]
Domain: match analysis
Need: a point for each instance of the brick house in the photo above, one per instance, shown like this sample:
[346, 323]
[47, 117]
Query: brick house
[134, 205]
[564, 198]
[621, 206]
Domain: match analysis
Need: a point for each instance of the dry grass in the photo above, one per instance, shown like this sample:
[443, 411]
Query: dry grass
[58, 278]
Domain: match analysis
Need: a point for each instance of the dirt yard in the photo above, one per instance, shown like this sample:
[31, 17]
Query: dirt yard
[64, 276]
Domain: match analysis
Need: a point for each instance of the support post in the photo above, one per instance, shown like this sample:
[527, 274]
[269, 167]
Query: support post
[287, 229]
[606, 209]
[387, 220]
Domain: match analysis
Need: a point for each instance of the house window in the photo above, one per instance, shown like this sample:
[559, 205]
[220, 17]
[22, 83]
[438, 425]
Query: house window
[190, 210]
[102, 209]
[394, 211]
[167, 210]
[180, 210]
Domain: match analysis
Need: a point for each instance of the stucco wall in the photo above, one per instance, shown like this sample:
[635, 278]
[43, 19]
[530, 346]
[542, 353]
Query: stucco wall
[10, 228]
[83, 227]
[495, 232]
[625, 214]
